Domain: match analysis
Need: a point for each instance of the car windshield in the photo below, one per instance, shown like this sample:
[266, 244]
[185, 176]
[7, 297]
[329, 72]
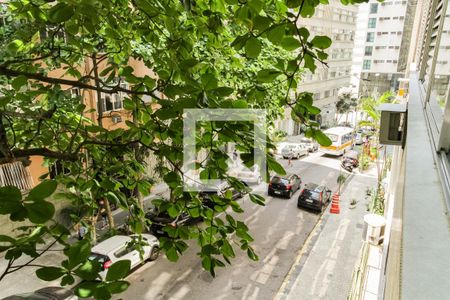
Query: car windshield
[312, 195]
[277, 180]
[306, 141]
[289, 147]
[333, 137]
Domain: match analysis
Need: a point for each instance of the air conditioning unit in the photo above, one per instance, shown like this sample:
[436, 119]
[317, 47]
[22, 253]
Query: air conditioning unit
[393, 124]
[116, 119]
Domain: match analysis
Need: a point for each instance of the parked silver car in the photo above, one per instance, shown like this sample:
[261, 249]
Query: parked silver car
[121, 247]
[310, 144]
[249, 175]
[294, 151]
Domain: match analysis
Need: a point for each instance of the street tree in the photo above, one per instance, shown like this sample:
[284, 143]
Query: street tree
[200, 54]
[369, 106]
[346, 103]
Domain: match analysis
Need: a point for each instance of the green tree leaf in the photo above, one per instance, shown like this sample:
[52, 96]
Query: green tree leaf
[18, 82]
[276, 34]
[40, 212]
[10, 198]
[321, 138]
[118, 270]
[252, 47]
[257, 199]
[321, 42]
[88, 270]
[43, 190]
[117, 287]
[268, 75]
[289, 43]
[50, 273]
[61, 12]
[275, 166]
[77, 253]
[86, 289]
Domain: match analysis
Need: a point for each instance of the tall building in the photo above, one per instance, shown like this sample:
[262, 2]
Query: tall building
[358, 49]
[386, 45]
[338, 22]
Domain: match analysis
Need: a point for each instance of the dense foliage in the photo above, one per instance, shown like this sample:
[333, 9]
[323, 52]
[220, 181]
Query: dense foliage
[199, 53]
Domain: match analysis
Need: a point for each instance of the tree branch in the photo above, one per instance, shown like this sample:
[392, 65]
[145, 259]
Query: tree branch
[40, 152]
[76, 83]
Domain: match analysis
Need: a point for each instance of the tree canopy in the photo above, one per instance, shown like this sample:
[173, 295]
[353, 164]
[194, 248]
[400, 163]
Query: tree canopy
[201, 54]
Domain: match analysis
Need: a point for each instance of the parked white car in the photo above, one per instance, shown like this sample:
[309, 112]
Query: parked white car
[359, 138]
[310, 144]
[280, 146]
[294, 151]
[120, 247]
[249, 175]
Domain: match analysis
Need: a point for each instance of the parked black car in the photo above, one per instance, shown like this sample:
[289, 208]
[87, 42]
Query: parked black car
[161, 219]
[314, 196]
[284, 186]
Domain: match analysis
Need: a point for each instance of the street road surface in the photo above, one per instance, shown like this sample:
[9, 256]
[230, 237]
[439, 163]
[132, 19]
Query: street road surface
[279, 229]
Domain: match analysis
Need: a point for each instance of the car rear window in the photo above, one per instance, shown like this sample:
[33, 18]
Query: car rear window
[98, 257]
[306, 141]
[277, 180]
[312, 195]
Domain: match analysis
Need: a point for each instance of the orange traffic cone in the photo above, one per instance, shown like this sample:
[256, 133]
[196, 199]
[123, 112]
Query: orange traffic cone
[335, 204]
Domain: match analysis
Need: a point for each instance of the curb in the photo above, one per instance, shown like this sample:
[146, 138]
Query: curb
[281, 293]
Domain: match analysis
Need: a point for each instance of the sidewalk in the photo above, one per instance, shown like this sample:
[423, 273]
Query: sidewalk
[14, 282]
[324, 267]
[120, 216]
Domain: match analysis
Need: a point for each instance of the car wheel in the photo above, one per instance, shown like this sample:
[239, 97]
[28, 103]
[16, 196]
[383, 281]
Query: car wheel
[154, 253]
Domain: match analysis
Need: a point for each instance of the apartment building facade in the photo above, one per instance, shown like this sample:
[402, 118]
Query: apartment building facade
[113, 116]
[337, 21]
[386, 45]
[358, 49]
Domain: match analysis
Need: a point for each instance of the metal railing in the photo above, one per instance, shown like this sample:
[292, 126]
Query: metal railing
[15, 174]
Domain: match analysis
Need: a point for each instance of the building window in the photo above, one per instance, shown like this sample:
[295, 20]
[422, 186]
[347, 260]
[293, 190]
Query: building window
[372, 22]
[370, 37]
[366, 64]
[316, 96]
[327, 94]
[373, 8]
[111, 102]
[368, 51]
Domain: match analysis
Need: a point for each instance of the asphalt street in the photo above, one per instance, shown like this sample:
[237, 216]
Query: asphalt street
[279, 229]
